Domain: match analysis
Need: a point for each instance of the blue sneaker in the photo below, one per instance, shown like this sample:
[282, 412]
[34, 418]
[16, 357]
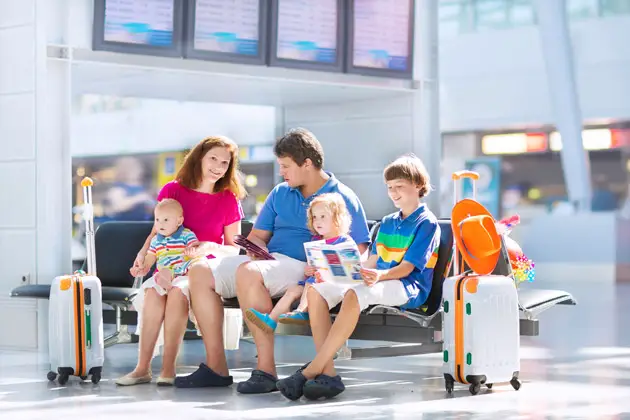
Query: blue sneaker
[295, 317]
[261, 320]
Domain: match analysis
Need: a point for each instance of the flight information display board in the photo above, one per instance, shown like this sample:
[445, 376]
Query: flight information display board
[231, 30]
[381, 37]
[138, 26]
[307, 34]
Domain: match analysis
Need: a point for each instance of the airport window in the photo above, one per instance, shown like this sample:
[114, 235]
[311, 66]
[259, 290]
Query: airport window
[582, 9]
[454, 17]
[615, 7]
[490, 14]
[521, 13]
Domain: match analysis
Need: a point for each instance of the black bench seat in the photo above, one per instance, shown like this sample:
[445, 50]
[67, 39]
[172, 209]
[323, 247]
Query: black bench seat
[117, 243]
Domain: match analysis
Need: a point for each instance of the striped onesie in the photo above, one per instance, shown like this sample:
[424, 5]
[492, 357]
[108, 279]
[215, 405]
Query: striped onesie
[169, 250]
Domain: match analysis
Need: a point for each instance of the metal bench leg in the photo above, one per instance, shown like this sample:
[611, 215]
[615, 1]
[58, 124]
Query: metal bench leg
[121, 336]
[344, 353]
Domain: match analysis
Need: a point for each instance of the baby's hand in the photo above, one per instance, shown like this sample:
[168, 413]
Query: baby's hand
[164, 278]
[139, 271]
[309, 271]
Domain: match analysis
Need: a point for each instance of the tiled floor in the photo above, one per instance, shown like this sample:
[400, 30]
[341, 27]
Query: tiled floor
[578, 368]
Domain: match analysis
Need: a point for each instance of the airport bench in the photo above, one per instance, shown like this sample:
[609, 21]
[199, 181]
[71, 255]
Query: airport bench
[417, 331]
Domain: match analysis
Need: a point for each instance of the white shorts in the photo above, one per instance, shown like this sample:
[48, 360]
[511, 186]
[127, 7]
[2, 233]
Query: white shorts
[390, 293]
[277, 274]
[181, 282]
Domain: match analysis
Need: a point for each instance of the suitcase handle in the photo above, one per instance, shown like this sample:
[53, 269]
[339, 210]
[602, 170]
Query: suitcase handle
[88, 216]
[465, 174]
[458, 176]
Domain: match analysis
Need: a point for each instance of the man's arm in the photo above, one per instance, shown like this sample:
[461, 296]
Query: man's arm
[260, 237]
[265, 222]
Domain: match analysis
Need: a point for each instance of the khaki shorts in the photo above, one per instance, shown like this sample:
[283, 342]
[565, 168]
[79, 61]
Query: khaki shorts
[278, 275]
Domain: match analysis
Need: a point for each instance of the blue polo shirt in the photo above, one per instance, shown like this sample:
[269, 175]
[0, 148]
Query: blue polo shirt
[414, 239]
[284, 214]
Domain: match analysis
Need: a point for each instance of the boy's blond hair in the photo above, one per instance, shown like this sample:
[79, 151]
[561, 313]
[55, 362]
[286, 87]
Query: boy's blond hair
[170, 203]
[410, 168]
[338, 209]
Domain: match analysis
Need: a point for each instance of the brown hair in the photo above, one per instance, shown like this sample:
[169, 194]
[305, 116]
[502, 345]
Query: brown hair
[338, 209]
[409, 167]
[170, 203]
[300, 144]
[190, 175]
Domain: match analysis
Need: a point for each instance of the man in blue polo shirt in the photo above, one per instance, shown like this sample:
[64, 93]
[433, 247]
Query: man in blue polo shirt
[281, 228]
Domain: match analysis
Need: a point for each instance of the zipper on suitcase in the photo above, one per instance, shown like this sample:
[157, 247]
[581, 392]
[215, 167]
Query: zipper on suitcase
[80, 325]
[459, 330]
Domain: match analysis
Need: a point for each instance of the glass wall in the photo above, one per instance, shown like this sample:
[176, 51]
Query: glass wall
[472, 16]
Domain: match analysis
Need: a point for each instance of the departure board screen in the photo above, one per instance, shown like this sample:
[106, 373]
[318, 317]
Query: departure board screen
[151, 27]
[307, 30]
[382, 35]
[227, 26]
[144, 22]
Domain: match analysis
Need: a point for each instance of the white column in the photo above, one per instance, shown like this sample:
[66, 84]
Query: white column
[427, 141]
[35, 191]
[558, 53]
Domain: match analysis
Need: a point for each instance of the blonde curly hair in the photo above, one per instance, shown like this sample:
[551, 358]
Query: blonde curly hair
[335, 203]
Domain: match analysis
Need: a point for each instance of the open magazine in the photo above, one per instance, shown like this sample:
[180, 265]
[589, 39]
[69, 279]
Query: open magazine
[338, 263]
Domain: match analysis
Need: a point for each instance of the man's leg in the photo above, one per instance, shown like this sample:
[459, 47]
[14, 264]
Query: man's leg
[252, 293]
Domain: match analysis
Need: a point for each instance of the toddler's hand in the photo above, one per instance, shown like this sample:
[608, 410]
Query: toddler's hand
[309, 271]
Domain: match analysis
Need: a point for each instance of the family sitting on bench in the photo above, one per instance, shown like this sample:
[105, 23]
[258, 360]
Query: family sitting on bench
[397, 272]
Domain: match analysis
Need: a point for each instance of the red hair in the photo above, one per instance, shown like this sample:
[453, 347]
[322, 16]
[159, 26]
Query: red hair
[190, 175]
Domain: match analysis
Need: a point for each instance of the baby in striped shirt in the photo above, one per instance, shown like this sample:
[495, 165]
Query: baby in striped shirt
[167, 249]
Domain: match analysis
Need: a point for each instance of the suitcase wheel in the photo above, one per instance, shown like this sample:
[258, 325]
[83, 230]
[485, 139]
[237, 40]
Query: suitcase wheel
[489, 386]
[475, 388]
[51, 376]
[83, 378]
[516, 384]
[449, 383]
[96, 374]
[63, 379]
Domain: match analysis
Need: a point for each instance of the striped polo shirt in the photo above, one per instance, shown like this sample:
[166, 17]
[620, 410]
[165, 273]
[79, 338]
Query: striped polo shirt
[169, 250]
[414, 239]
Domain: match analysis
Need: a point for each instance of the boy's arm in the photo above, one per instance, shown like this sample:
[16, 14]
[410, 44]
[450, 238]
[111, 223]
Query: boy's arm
[371, 261]
[421, 254]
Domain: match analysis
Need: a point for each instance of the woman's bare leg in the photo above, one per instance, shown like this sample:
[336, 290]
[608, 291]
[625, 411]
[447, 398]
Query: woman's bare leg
[152, 318]
[175, 320]
[208, 309]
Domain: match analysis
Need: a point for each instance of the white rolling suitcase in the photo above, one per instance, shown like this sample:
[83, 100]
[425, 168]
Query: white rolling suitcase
[75, 323]
[480, 323]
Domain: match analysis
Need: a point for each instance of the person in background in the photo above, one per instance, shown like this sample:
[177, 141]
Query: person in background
[127, 199]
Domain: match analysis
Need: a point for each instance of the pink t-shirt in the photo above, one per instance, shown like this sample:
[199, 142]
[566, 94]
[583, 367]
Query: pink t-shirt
[205, 214]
